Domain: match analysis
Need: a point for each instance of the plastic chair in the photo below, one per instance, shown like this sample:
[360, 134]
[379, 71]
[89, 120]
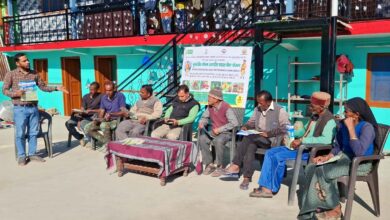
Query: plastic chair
[45, 132]
[371, 179]
[298, 165]
[239, 112]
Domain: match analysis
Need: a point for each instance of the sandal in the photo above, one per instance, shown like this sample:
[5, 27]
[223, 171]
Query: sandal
[209, 169]
[218, 172]
[244, 186]
[231, 175]
[258, 193]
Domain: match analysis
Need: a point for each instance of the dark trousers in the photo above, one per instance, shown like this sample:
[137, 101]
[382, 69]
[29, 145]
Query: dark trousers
[246, 150]
[71, 126]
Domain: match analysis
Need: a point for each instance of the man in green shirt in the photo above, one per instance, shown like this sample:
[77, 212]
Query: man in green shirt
[320, 130]
[183, 111]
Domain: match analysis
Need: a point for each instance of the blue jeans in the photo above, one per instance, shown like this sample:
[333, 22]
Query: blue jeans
[26, 120]
[274, 165]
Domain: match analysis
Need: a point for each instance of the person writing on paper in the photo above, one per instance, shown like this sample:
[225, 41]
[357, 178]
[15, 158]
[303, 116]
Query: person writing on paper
[90, 107]
[223, 120]
[320, 130]
[20, 84]
[355, 137]
[270, 119]
[148, 107]
[183, 111]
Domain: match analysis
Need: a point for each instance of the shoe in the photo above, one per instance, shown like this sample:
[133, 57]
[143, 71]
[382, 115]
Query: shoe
[36, 158]
[258, 193]
[22, 161]
[245, 183]
[209, 169]
[82, 142]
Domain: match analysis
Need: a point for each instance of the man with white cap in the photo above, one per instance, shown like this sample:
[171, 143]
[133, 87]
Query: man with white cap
[223, 120]
[320, 130]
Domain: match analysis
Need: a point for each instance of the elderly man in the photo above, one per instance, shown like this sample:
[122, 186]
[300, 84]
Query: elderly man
[147, 108]
[21, 85]
[270, 120]
[320, 130]
[112, 107]
[183, 111]
[223, 120]
[90, 107]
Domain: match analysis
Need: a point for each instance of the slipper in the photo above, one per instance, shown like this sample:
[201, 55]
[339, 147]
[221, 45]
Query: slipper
[218, 172]
[244, 186]
[258, 193]
[231, 175]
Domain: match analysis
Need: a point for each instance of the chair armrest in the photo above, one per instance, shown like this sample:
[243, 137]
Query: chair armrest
[158, 123]
[358, 160]
[315, 148]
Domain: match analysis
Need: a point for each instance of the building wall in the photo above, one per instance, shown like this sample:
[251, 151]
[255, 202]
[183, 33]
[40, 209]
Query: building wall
[128, 59]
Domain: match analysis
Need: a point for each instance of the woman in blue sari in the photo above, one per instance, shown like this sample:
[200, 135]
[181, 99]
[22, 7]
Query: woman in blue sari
[355, 137]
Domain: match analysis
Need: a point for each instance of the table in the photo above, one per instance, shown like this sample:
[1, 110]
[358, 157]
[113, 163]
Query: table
[160, 157]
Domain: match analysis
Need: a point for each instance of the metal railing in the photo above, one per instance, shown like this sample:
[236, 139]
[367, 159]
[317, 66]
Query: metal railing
[110, 21]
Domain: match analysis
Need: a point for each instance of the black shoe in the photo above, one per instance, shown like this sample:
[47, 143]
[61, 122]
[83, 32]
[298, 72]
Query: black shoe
[37, 159]
[22, 161]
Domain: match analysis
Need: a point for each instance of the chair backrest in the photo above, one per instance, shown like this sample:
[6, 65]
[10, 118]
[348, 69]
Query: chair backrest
[239, 112]
[383, 133]
[44, 119]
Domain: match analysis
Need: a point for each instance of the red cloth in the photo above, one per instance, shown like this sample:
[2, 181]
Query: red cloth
[170, 155]
[344, 65]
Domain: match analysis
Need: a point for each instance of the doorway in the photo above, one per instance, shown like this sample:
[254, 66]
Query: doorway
[40, 66]
[71, 77]
[105, 70]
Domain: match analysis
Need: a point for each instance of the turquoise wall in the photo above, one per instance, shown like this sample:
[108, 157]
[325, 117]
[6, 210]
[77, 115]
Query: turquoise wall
[129, 59]
[2, 96]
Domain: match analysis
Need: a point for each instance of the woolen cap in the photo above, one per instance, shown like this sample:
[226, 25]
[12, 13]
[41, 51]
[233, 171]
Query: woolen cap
[216, 93]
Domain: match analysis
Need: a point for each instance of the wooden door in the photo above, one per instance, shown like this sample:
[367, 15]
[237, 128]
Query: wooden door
[40, 66]
[71, 77]
[105, 69]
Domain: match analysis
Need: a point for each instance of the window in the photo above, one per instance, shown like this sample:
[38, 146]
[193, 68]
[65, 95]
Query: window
[378, 80]
[40, 66]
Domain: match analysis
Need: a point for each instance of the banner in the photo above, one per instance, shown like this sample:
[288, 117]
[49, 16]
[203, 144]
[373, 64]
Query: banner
[228, 68]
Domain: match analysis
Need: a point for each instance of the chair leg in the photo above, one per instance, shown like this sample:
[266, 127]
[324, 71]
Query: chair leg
[69, 140]
[374, 190]
[294, 182]
[93, 143]
[350, 197]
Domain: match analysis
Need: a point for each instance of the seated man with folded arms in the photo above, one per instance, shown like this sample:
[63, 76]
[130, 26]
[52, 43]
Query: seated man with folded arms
[223, 120]
[320, 130]
[270, 119]
[112, 107]
[90, 107]
[183, 111]
[148, 107]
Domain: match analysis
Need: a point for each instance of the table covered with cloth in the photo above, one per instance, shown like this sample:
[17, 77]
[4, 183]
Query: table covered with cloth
[170, 155]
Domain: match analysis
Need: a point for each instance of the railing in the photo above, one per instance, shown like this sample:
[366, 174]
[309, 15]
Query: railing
[110, 21]
[169, 57]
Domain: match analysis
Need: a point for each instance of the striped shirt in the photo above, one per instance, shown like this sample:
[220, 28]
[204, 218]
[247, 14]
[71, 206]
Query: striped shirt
[11, 84]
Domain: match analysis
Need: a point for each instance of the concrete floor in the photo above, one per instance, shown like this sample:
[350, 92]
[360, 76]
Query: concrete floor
[75, 185]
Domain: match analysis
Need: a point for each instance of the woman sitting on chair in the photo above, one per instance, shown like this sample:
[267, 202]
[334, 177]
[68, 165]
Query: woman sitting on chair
[355, 137]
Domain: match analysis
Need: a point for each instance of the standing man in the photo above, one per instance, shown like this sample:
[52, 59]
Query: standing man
[183, 111]
[112, 107]
[147, 108]
[20, 84]
[223, 121]
[90, 107]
